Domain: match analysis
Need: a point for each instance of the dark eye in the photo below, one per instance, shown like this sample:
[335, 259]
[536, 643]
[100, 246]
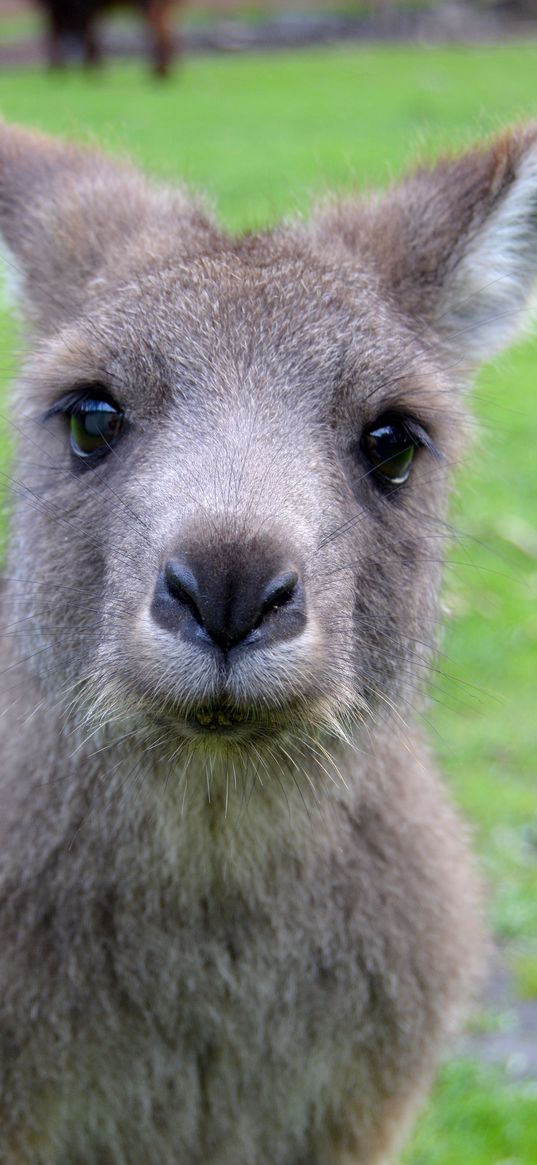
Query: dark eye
[95, 427]
[390, 445]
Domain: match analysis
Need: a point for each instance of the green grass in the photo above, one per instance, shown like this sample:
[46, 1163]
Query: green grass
[524, 965]
[263, 135]
[477, 1120]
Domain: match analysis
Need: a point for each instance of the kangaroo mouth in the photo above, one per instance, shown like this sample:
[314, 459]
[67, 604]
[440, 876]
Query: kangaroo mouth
[214, 720]
[222, 720]
[218, 718]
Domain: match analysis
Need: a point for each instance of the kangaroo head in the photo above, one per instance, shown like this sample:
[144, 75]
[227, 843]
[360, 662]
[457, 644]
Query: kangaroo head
[234, 453]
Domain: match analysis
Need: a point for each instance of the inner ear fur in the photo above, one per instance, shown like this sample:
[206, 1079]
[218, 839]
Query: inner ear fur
[68, 213]
[455, 243]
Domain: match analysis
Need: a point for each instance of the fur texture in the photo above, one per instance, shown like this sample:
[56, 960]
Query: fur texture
[238, 916]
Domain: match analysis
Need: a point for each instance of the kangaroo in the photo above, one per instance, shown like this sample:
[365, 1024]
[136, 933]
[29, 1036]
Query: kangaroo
[239, 916]
[76, 19]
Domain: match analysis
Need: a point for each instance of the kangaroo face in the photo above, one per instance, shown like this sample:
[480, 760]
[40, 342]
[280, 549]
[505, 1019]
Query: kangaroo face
[246, 456]
[238, 448]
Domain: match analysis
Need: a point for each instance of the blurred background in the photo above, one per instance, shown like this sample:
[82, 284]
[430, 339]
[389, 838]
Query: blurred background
[265, 106]
[232, 25]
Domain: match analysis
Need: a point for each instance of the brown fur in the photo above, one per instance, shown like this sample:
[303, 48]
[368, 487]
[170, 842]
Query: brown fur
[241, 948]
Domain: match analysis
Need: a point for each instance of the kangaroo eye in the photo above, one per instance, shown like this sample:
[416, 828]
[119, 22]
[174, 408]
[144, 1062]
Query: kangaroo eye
[95, 427]
[389, 446]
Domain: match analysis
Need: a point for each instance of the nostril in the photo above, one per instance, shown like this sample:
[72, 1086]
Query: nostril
[230, 603]
[280, 591]
[183, 586]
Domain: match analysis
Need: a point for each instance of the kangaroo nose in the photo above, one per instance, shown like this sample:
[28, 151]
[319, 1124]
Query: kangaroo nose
[240, 603]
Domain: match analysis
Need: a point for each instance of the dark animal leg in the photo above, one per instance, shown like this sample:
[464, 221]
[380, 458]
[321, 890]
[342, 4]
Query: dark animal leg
[159, 19]
[92, 49]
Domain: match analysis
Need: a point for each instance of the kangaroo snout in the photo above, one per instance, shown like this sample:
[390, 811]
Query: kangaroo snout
[239, 596]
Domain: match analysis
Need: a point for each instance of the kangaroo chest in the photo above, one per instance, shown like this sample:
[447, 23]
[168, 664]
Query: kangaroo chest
[220, 1034]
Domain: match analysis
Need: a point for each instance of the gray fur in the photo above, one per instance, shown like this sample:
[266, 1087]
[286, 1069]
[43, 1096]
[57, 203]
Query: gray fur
[244, 949]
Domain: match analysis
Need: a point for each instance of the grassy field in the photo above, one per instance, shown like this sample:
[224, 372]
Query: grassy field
[263, 135]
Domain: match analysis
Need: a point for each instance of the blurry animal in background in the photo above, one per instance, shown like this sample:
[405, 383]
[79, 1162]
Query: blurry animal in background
[75, 21]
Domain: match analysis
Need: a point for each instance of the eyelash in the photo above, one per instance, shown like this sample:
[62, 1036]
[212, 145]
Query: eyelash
[96, 422]
[388, 445]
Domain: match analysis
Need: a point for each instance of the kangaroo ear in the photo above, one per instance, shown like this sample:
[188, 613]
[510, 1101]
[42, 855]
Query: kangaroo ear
[455, 244]
[67, 215]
